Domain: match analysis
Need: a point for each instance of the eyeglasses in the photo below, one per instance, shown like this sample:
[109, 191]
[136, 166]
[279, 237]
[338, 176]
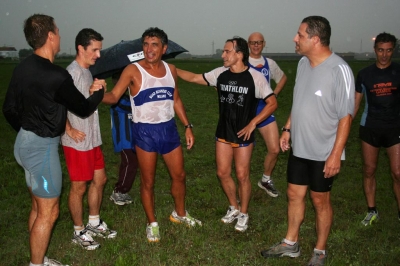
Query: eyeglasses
[256, 42]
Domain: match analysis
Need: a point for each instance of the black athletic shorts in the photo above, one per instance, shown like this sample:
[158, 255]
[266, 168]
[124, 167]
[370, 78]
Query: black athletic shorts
[380, 137]
[308, 173]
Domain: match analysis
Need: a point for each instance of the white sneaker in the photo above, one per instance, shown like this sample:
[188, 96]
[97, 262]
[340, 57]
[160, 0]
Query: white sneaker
[85, 241]
[101, 230]
[230, 215]
[51, 262]
[153, 232]
[243, 220]
[188, 220]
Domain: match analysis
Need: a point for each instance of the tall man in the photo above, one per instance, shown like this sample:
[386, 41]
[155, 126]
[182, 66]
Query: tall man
[380, 121]
[239, 89]
[155, 99]
[319, 124]
[36, 104]
[81, 145]
[267, 128]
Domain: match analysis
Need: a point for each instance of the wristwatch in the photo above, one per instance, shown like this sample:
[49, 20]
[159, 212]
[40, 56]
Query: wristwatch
[286, 129]
[189, 126]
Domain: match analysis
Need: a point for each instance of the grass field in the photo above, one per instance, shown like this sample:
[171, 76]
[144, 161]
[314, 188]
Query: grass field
[214, 243]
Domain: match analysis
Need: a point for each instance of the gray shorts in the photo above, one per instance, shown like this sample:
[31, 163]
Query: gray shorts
[40, 159]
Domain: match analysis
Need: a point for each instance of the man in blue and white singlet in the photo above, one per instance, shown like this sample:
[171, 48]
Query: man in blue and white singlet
[267, 128]
[155, 99]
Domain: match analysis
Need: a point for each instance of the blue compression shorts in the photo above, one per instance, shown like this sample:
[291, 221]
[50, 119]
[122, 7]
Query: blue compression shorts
[40, 159]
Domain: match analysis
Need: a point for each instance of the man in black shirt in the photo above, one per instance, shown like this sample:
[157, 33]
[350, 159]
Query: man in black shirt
[380, 121]
[36, 104]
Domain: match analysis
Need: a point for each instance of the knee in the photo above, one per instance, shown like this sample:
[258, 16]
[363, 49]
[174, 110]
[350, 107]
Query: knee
[78, 188]
[369, 171]
[396, 176]
[320, 200]
[274, 150]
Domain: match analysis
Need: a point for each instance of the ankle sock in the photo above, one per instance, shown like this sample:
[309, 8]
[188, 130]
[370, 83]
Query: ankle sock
[319, 251]
[94, 220]
[78, 229]
[289, 242]
[372, 209]
[265, 178]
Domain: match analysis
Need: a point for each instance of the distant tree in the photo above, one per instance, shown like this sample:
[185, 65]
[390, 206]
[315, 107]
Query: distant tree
[25, 53]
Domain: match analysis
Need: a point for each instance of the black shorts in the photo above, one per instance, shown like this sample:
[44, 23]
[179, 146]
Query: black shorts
[380, 137]
[308, 173]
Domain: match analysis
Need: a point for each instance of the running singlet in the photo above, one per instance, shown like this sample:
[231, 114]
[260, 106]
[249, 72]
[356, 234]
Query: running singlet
[382, 95]
[154, 103]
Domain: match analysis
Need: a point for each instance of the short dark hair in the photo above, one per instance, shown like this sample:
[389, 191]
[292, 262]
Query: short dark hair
[156, 32]
[385, 37]
[85, 36]
[320, 27]
[240, 45]
[37, 28]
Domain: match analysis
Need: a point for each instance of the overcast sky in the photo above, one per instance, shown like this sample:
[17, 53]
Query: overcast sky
[197, 24]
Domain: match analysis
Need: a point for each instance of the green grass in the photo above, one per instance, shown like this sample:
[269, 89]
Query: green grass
[214, 243]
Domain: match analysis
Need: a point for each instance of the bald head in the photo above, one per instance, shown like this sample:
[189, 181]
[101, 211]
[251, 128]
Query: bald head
[256, 44]
[257, 36]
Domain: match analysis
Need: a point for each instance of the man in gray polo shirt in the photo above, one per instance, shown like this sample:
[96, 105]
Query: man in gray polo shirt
[319, 124]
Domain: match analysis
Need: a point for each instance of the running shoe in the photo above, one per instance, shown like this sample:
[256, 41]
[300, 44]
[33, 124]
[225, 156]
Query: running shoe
[188, 220]
[318, 259]
[269, 188]
[153, 232]
[282, 249]
[370, 218]
[51, 262]
[85, 240]
[120, 198]
[230, 215]
[100, 230]
[242, 221]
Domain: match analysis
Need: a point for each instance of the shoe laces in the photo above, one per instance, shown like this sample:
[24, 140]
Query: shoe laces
[85, 237]
[370, 215]
[242, 219]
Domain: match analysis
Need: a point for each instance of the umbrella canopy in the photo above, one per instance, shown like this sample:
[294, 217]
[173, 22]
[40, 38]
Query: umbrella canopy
[118, 56]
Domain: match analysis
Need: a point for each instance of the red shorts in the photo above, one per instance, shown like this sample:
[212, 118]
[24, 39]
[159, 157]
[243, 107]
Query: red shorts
[82, 164]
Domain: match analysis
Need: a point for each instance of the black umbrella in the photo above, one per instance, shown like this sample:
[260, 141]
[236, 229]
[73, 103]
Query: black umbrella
[118, 56]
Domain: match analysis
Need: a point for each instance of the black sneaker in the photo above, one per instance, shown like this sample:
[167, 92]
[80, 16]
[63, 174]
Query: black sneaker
[269, 188]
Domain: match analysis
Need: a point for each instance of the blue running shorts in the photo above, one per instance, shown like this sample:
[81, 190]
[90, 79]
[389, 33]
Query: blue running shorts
[161, 138]
[268, 120]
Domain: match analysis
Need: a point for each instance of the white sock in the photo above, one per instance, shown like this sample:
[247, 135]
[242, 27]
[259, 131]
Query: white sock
[319, 251]
[31, 264]
[265, 178]
[154, 224]
[94, 220]
[289, 242]
[78, 229]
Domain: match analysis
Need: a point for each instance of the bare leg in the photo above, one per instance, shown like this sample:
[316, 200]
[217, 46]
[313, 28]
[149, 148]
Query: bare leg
[270, 135]
[95, 192]
[296, 210]
[174, 162]
[224, 156]
[242, 158]
[370, 157]
[323, 217]
[394, 158]
[41, 227]
[75, 201]
[147, 164]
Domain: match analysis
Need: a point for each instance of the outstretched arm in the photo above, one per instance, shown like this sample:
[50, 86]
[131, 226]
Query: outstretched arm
[119, 89]
[180, 111]
[191, 77]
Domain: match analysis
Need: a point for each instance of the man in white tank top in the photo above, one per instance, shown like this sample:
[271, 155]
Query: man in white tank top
[155, 99]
